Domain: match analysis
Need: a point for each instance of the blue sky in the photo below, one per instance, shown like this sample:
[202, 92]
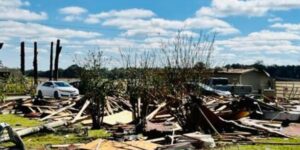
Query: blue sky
[247, 30]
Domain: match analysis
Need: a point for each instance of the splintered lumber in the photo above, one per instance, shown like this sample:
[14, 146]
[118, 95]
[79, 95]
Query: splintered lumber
[32, 130]
[109, 109]
[7, 105]
[114, 145]
[206, 139]
[58, 111]
[123, 117]
[86, 104]
[151, 115]
[250, 123]
[65, 146]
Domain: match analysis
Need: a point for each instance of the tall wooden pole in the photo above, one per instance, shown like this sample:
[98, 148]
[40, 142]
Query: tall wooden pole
[23, 58]
[58, 50]
[35, 64]
[51, 62]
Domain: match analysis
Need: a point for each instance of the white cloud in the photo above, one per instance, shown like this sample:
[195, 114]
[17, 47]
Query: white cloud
[223, 8]
[262, 41]
[275, 19]
[12, 10]
[72, 10]
[92, 20]
[287, 26]
[72, 18]
[110, 43]
[128, 13]
[72, 13]
[142, 22]
[13, 29]
[215, 24]
[159, 26]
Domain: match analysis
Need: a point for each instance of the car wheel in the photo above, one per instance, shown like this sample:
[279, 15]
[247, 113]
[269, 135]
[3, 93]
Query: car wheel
[40, 94]
[56, 96]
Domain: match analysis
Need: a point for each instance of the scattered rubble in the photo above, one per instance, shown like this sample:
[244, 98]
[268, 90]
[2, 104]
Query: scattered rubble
[177, 122]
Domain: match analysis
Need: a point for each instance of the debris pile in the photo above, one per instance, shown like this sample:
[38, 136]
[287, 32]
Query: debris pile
[187, 121]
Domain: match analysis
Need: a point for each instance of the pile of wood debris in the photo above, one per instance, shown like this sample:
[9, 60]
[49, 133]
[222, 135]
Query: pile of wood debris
[178, 122]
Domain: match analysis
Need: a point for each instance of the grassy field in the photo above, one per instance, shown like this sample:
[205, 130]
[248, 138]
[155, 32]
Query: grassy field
[267, 147]
[39, 140]
[18, 121]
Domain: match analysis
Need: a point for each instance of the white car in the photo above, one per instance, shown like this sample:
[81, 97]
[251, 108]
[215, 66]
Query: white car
[57, 89]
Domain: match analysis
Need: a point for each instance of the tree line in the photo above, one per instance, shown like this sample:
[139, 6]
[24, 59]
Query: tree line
[275, 71]
[282, 72]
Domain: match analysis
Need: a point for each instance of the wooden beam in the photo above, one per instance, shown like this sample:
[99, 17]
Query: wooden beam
[153, 113]
[86, 104]
[32, 130]
[57, 112]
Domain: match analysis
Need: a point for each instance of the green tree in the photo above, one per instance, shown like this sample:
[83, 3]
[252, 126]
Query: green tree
[93, 84]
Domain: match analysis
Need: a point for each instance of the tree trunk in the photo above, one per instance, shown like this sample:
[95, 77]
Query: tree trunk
[51, 62]
[35, 64]
[98, 111]
[23, 58]
[58, 50]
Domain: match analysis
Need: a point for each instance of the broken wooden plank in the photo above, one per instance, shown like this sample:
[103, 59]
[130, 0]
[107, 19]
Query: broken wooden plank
[58, 111]
[86, 104]
[250, 123]
[32, 130]
[151, 115]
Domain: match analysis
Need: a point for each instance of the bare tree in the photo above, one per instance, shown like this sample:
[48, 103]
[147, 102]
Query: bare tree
[186, 59]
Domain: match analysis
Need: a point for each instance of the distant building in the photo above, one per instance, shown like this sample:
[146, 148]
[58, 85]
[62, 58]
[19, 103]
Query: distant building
[259, 80]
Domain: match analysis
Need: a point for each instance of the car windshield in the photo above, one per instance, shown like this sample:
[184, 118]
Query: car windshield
[61, 84]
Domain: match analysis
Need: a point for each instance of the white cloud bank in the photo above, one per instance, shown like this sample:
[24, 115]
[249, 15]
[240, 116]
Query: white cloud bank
[224, 8]
[137, 22]
[13, 10]
[72, 13]
[72, 10]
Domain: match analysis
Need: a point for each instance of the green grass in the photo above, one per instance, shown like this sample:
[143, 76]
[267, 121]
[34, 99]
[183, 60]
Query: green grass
[18, 121]
[39, 140]
[98, 134]
[267, 147]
